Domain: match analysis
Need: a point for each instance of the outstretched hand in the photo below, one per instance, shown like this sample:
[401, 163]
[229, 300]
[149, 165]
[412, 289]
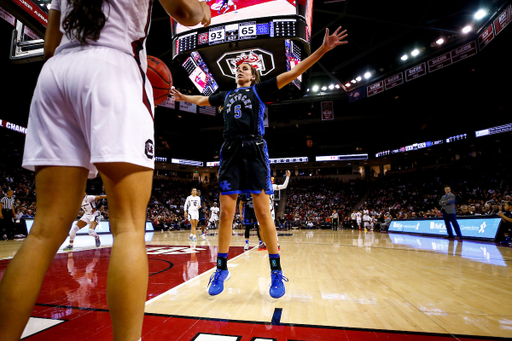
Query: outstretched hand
[335, 39]
[178, 96]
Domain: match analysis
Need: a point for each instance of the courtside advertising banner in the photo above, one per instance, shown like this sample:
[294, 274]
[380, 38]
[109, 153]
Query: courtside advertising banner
[188, 107]
[168, 103]
[485, 228]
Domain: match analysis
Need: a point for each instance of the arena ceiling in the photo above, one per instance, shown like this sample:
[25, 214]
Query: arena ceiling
[468, 95]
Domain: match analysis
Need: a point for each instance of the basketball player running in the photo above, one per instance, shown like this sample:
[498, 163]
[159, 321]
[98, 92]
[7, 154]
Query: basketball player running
[192, 207]
[91, 110]
[228, 4]
[214, 215]
[91, 216]
[243, 111]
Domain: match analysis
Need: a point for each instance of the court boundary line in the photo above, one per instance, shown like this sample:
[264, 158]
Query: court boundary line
[300, 325]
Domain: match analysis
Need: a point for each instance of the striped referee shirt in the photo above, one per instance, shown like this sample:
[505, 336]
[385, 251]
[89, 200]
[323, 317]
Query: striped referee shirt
[7, 203]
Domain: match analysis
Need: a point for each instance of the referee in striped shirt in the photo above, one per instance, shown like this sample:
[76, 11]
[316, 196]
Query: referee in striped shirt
[6, 215]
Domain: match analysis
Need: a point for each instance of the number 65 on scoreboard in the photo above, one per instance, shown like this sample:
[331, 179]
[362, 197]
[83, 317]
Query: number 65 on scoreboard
[247, 30]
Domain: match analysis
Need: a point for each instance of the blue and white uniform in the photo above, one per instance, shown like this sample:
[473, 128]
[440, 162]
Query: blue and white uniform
[244, 162]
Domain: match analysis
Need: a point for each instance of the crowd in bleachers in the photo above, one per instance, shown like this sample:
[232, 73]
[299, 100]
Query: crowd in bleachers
[310, 202]
[480, 188]
[22, 183]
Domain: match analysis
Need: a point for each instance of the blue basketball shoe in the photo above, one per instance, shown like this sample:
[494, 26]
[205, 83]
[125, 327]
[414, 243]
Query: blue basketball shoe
[277, 288]
[217, 279]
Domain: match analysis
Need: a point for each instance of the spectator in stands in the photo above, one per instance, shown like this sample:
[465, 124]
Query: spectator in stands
[487, 210]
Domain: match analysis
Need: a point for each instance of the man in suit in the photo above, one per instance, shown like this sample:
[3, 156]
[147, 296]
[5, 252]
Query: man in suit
[447, 203]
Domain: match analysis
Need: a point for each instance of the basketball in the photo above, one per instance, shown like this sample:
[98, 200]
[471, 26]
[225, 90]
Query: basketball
[160, 78]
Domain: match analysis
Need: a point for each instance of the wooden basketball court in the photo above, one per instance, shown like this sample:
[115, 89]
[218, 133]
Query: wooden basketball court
[344, 285]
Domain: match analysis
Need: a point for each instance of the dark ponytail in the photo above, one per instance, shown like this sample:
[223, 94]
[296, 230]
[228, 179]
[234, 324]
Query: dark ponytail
[84, 20]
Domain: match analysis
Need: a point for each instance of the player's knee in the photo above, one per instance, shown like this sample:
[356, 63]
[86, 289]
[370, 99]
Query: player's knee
[227, 213]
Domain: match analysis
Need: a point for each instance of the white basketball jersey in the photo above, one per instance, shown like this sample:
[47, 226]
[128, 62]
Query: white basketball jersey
[192, 203]
[125, 29]
[215, 211]
[89, 204]
[272, 211]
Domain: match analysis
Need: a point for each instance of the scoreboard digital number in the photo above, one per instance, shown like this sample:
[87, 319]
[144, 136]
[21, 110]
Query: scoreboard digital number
[247, 30]
[264, 28]
[217, 35]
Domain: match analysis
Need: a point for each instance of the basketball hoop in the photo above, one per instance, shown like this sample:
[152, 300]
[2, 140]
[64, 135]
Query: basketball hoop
[24, 50]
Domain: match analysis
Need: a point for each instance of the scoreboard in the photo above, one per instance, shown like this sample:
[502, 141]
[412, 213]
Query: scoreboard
[273, 44]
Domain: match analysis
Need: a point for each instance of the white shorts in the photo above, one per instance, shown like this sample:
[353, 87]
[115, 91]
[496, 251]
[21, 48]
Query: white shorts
[214, 218]
[89, 218]
[90, 106]
[193, 215]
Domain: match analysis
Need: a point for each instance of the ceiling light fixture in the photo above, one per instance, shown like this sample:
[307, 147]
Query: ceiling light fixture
[467, 29]
[480, 14]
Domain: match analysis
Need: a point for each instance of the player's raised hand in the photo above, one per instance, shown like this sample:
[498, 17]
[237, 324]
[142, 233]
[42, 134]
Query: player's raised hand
[335, 39]
[288, 173]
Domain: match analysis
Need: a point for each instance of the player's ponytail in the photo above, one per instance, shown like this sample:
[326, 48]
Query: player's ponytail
[84, 20]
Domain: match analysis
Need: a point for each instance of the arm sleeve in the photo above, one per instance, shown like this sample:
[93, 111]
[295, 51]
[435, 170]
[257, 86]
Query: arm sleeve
[284, 185]
[266, 88]
[187, 203]
[91, 198]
